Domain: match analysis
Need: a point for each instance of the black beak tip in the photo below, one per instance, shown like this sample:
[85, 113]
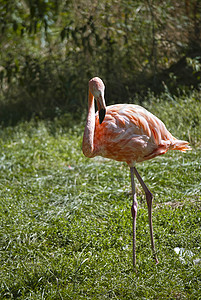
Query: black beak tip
[102, 112]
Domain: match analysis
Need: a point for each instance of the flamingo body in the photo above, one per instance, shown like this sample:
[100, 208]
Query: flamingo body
[132, 134]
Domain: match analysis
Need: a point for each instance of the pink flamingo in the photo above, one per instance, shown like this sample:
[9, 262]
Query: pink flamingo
[129, 133]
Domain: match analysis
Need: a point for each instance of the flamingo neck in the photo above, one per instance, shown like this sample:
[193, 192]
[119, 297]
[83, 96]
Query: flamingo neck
[88, 138]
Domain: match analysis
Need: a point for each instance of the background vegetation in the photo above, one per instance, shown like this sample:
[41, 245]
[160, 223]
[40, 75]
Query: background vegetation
[66, 226]
[65, 221]
[50, 49]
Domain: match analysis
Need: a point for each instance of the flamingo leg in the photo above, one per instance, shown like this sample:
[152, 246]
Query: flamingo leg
[149, 199]
[134, 214]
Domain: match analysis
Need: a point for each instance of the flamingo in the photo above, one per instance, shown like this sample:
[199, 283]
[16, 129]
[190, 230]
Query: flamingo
[127, 133]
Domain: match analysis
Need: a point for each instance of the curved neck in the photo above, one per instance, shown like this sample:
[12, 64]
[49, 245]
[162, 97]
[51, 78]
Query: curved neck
[88, 138]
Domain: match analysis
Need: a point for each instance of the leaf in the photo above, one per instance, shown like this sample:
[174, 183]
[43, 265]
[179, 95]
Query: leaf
[63, 34]
[15, 26]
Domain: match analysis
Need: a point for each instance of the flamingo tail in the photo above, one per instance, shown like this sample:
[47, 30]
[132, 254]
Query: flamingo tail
[167, 145]
[180, 145]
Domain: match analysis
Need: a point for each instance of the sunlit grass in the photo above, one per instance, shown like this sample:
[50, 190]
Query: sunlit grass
[66, 227]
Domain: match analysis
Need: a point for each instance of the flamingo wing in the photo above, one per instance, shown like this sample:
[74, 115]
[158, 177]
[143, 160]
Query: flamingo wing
[130, 133]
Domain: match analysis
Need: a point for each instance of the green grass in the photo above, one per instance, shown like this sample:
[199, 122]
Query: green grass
[66, 227]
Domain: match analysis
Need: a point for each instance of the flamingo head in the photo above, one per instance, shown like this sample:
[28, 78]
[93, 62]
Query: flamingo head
[97, 88]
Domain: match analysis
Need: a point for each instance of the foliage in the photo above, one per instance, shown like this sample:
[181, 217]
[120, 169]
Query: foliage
[66, 226]
[50, 49]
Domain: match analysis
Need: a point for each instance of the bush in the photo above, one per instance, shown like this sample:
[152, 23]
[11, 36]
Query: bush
[51, 49]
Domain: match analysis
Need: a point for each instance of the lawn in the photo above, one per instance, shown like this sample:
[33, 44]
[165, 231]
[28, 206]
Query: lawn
[66, 226]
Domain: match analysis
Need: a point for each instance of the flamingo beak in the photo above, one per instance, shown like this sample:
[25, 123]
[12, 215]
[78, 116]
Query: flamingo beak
[101, 108]
[102, 112]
